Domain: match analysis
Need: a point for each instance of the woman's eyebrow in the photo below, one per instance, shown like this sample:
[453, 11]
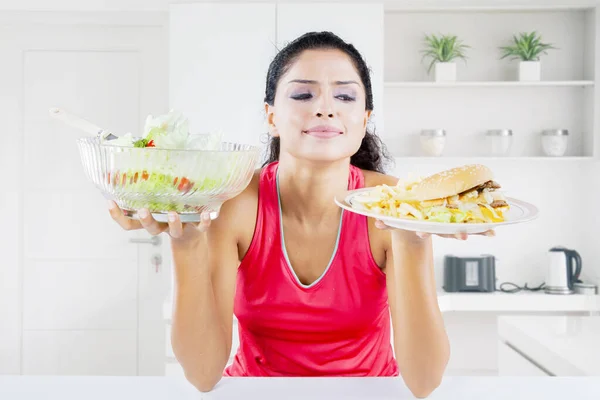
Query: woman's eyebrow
[313, 82]
[346, 82]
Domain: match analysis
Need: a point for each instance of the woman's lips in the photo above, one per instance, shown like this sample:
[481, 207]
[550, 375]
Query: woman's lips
[323, 131]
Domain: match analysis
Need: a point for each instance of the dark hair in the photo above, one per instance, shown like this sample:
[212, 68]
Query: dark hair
[372, 153]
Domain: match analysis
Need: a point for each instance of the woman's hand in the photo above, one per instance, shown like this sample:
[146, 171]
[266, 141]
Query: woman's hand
[460, 236]
[179, 232]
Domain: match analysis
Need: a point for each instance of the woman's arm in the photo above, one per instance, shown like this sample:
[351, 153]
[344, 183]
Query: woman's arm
[205, 263]
[420, 342]
[205, 272]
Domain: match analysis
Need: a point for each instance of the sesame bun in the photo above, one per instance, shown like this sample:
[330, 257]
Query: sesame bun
[451, 182]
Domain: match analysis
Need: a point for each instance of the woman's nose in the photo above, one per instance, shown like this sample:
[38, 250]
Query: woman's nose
[330, 115]
[324, 106]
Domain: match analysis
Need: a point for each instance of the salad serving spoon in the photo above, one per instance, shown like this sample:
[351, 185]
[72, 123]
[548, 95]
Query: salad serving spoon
[80, 123]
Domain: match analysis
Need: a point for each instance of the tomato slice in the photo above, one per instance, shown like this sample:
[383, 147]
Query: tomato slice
[184, 185]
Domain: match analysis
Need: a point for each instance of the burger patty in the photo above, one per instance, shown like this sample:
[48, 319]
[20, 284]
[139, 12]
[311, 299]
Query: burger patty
[489, 185]
[486, 185]
[499, 203]
[495, 204]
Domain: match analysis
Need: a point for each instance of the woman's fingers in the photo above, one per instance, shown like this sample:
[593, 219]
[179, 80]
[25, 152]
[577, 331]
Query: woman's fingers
[204, 222]
[175, 225]
[464, 235]
[178, 230]
[150, 224]
[461, 235]
[380, 225]
[117, 214]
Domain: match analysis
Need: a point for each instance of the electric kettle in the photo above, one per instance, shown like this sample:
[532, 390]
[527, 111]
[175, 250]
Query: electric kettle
[564, 268]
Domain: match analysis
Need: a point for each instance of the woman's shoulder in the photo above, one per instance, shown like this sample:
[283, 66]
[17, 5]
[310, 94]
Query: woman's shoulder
[373, 178]
[238, 214]
[380, 239]
[239, 204]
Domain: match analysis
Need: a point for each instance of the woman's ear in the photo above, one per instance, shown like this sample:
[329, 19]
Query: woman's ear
[270, 111]
[367, 118]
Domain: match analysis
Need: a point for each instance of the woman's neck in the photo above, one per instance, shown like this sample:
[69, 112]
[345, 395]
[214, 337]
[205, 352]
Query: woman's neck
[307, 189]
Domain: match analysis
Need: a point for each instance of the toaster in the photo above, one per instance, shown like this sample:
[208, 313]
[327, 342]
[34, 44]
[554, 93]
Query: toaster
[469, 274]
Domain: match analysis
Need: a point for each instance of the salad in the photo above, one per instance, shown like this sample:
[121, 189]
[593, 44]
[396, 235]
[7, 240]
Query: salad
[156, 171]
[168, 131]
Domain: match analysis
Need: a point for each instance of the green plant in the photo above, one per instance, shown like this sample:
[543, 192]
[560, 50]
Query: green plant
[526, 47]
[444, 48]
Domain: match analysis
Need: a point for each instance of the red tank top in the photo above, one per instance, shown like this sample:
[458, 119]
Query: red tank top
[337, 326]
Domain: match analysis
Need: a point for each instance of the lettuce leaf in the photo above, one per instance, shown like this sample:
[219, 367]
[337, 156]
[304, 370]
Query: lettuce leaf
[445, 215]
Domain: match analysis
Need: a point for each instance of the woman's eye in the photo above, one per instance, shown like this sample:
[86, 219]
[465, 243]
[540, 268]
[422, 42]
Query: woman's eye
[345, 97]
[302, 96]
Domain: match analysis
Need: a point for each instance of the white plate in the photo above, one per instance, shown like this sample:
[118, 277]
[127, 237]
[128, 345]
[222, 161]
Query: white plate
[519, 212]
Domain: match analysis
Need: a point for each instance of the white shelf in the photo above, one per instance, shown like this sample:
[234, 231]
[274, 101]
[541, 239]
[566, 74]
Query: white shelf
[518, 302]
[482, 84]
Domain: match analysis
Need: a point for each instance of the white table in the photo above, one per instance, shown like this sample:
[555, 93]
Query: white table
[154, 388]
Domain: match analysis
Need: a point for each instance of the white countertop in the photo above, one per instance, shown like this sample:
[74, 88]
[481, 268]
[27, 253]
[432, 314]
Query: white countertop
[523, 301]
[154, 388]
[563, 345]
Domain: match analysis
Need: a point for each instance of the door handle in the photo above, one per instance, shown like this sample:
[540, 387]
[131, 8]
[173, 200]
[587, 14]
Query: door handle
[157, 262]
[154, 241]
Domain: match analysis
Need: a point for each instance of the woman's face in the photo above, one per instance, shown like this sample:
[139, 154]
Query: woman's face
[319, 109]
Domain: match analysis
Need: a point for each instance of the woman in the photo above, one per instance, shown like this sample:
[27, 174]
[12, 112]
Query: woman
[312, 287]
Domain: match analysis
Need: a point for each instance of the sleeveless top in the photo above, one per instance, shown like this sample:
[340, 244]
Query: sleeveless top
[337, 326]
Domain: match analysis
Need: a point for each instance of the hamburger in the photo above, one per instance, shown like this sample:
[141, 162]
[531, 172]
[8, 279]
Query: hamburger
[466, 194]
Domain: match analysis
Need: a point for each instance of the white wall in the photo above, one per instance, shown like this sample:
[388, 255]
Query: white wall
[217, 79]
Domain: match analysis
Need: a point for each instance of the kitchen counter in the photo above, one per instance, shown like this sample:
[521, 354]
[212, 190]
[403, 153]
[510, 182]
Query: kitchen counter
[155, 388]
[560, 345]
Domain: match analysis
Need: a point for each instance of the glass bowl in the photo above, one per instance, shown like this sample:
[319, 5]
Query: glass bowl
[162, 180]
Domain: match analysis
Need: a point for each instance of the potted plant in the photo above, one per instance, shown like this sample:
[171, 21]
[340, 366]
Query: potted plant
[443, 50]
[527, 47]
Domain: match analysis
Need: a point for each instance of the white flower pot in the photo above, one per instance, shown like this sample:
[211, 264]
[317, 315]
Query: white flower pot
[445, 72]
[530, 70]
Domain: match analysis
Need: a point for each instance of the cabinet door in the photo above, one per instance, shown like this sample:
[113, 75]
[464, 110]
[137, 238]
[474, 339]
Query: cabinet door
[359, 24]
[511, 363]
[219, 56]
[76, 297]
